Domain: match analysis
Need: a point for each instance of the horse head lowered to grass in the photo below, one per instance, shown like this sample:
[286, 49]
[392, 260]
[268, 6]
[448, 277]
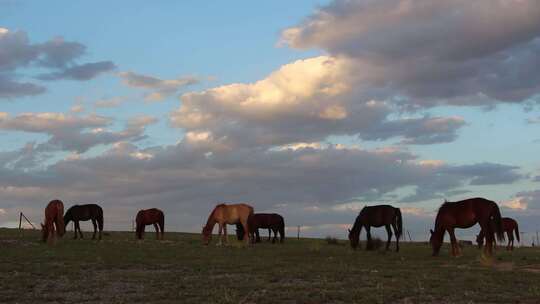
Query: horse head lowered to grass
[377, 216]
[151, 216]
[465, 214]
[53, 225]
[224, 214]
[86, 212]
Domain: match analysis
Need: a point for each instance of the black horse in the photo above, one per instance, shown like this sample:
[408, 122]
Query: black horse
[271, 221]
[85, 213]
[377, 216]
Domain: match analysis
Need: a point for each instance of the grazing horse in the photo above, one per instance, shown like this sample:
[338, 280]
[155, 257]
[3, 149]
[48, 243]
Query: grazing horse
[510, 226]
[377, 216]
[85, 213]
[152, 216]
[271, 221]
[224, 214]
[54, 221]
[465, 214]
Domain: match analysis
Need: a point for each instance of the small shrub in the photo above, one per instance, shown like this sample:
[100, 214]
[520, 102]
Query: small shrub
[375, 244]
[330, 240]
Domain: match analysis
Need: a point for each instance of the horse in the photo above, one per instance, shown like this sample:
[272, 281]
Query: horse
[377, 216]
[224, 214]
[85, 213]
[54, 221]
[465, 214]
[152, 216]
[271, 221]
[510, 226]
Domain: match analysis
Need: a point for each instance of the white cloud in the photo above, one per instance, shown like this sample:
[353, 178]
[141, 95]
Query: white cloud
[408, 49]
[518, 203]
[304, 101]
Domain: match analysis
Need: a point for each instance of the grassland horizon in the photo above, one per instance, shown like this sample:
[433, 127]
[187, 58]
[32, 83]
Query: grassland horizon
[119, 269]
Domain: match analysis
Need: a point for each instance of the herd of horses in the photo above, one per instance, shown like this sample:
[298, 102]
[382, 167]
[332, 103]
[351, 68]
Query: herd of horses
[451, 215]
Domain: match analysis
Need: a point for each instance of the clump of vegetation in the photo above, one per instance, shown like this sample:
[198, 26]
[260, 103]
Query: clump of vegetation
[375, 244]
[330, 240]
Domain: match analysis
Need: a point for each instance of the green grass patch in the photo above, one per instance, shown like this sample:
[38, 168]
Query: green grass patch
[180, 269]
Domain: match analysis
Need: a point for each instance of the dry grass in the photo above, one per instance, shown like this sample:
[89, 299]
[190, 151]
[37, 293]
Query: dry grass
[121, 270]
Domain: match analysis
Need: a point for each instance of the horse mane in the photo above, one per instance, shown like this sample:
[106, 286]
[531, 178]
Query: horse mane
[211, 216]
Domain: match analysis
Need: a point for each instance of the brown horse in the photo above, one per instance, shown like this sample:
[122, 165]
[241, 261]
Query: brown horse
[224, 214]
[54, 221]
[510, 226]
[152, 216]
[465, 214]
[377, 216]
[271, 221]
[85, 213]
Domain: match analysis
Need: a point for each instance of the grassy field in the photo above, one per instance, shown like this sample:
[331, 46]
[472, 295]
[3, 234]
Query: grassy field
[180, 270]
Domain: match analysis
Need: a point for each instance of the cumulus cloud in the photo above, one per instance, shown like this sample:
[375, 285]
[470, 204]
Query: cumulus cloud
[433, 52]
[159, 89]
[57, 56]
[304, 101]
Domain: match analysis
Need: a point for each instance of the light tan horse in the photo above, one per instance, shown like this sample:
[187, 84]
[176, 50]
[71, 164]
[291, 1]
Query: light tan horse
[224, 214]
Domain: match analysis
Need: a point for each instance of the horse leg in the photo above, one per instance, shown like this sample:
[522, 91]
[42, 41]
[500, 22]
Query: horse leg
[95, 229]
[368, 236]
[275, 235]
[100, 227]
[250, 234]
[389, 232]
[157, 231]
[75, 230]
[269, 234]
[257, 236]
[453, 242]
[510, 241]
[78, 227]
[397, 236]
[488, 248]
[220, 239]
[162, 229]
[226, 241]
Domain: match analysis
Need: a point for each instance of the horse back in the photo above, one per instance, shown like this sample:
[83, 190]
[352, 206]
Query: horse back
[232, 213]
[378, 215]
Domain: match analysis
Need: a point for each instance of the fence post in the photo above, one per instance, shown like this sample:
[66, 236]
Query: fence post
[298, 232]
[20, 220]
[410, 239]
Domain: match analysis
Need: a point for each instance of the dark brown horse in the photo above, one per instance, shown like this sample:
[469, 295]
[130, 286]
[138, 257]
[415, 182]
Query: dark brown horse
[87, 212]
[152, 216]
[465, 214]
[271, 221]
[54, 221]
[377, 216]
[510, 226]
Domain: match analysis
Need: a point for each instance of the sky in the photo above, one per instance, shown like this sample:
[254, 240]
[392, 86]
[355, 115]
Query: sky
[311, 109]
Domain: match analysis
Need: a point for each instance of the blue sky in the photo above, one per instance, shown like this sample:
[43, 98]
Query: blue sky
[296, 107]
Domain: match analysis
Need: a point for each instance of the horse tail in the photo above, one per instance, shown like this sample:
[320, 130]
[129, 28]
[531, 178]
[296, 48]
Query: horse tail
[282, 230]
[162, 222]
[399, 222]
[499, 231]
[100, 219]
[516, 230]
